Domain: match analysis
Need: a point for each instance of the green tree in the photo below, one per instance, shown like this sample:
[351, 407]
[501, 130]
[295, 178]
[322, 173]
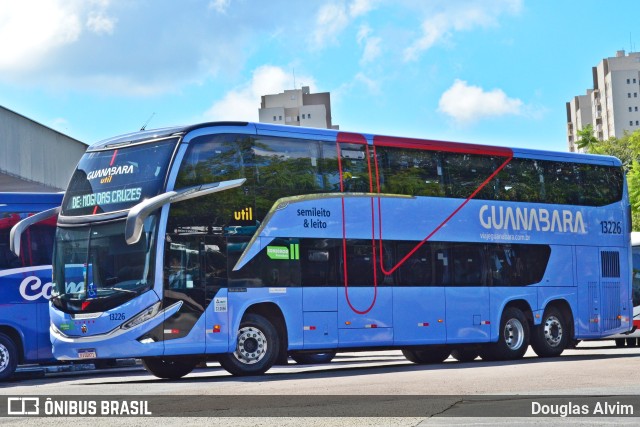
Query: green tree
[586, 138]
[627, 149]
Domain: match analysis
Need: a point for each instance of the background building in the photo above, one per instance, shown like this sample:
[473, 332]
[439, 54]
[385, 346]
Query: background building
[613, 105]
[297, 107]
[34, 157]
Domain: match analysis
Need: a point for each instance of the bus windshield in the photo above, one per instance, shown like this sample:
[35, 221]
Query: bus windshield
[96, 270]
[116, 179]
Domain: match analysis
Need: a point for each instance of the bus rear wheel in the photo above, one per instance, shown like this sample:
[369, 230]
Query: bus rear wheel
[430, 355]
[513, 337]
[8, 357]
[313, 358]
[256, 347]
[170, 368]
[550, 338]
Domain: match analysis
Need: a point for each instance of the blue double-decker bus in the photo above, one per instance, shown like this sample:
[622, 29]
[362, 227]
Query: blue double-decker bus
[25, 280]
[246, 243]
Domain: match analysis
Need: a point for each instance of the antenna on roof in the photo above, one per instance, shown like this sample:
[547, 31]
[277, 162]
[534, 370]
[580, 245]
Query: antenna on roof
[294, 78]
[144, 126]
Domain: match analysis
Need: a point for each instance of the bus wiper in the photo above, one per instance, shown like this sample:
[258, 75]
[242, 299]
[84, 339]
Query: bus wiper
[140, 212]
[127, 291]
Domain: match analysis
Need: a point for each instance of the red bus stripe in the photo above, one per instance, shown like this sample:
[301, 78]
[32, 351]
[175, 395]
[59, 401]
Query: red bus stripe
[113, 158]
[432, 145]
[417, 144]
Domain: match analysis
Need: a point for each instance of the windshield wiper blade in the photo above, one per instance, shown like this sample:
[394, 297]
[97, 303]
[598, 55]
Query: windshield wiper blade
[129, 291]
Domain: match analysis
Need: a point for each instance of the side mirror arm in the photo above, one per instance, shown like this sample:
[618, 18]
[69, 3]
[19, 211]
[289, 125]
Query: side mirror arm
[140, 212]
[15, 235]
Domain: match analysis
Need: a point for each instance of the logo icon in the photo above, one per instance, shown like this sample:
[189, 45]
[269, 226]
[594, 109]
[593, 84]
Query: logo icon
[83, 328]
[23, 406]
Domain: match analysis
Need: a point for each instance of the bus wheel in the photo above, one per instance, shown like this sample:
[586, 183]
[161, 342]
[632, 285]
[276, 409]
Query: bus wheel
[313, 358]
[620, 342]
[8, 357]
[170, 368]
[430, 355]
[551, 337]
[513, 337]
[256, 347]
[464, 354]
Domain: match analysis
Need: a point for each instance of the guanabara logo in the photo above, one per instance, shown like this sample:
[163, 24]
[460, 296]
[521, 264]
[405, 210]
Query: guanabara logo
[106, 173]
[531, 219]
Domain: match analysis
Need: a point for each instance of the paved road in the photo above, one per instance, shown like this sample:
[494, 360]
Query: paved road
[596, 368]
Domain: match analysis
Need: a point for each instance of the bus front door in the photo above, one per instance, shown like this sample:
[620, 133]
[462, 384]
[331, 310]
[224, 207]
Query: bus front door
[184, 332]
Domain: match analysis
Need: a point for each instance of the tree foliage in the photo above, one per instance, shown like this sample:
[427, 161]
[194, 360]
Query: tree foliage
[627, 149]
[586, 138]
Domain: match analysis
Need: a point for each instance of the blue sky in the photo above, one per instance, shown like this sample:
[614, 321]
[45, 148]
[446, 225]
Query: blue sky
[495, 72]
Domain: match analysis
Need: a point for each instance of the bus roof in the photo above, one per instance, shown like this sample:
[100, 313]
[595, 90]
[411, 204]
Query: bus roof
[331, 134]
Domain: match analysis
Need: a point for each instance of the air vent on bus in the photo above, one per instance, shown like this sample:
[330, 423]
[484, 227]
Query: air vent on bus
[610, 263]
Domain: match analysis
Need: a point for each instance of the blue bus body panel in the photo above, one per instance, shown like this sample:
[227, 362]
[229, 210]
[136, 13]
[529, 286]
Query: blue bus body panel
[25, 291]
[386, 315]
[419, 315]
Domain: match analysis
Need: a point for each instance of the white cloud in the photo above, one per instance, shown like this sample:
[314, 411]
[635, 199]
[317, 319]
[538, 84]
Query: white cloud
[372, 85]
[100, 23]
[372, 47]
[243, 103]
[449, 17]
[467, 104]
[28, 31]
[332, 18]
[363, 32]
[361, 7]
[220, 6]
[372, 50]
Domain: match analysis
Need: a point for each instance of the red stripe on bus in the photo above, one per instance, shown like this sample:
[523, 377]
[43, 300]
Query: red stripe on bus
[417, 144]
[113, 158]
[433, 145]
[636, 323]
[345, 137]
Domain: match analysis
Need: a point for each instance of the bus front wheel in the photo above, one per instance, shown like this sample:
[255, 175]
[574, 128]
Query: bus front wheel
[8, 357]
[551, 337]
[513, 337]
[170, 368]
[256, 347]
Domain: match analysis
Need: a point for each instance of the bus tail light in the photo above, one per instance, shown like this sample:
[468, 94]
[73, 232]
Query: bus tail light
[145, 315]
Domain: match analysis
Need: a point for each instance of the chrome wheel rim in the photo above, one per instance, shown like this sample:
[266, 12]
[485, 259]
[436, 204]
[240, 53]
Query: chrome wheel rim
[4, 357]
[252, 345]
[514, 334]
[553, 331]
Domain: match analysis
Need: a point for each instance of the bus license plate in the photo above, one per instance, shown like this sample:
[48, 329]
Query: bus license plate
[89, 353]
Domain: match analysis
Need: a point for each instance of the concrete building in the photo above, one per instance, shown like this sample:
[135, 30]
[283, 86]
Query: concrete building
[613, 105]
[297, 107]
[34, 157]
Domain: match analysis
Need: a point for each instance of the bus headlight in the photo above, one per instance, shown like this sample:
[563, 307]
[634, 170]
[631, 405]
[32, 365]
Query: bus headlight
[143, 316]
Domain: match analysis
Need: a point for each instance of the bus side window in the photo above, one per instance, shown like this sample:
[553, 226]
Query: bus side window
[442, 267]
[467, 265]
[416, 270]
